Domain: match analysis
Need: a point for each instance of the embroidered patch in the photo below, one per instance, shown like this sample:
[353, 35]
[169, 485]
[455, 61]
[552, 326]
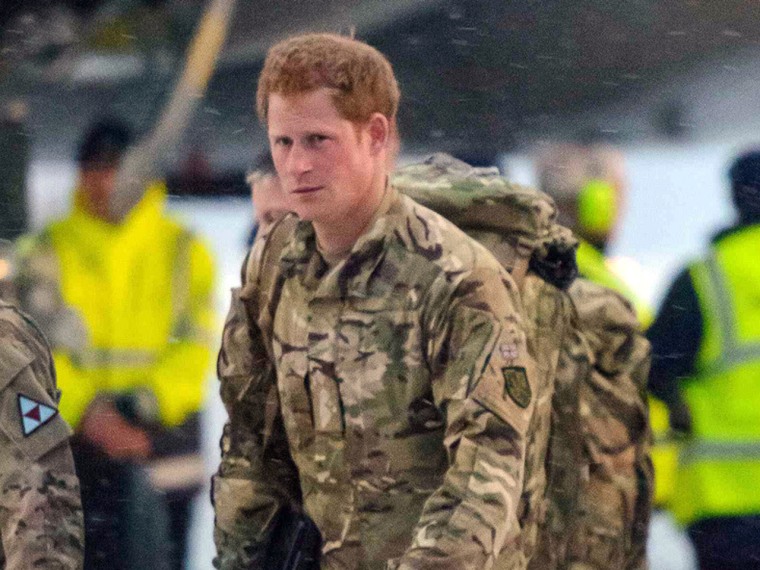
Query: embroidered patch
[509, 351]
[33, 414]
[516, 385]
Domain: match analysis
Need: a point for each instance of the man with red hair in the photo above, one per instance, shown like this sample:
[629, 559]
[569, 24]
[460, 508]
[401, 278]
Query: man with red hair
[374, 361]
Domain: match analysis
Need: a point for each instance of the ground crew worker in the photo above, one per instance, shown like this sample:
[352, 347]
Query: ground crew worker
[40, 510]
[587, 182]
[600, 519]
[706, 363]
[374, 362]
[128, 309]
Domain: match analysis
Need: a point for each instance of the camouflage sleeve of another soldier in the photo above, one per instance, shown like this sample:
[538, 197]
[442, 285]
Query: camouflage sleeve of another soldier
[257, 475]
[484, 380]
[40, 508]
[615, 500]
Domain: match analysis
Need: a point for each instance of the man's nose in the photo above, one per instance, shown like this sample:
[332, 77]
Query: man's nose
[299, 160]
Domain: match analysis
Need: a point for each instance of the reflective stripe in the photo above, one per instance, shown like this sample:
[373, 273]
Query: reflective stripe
[177, 472]
[114, 357]
[732, 352]
[181, 285]
[719, 451]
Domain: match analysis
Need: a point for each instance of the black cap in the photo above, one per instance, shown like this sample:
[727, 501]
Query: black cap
[105, 143]
[745, 183]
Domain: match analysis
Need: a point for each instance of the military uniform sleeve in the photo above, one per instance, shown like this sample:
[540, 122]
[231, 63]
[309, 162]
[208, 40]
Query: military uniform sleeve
[483, 380]
[616, 495]
[257, 474]
[40, 509]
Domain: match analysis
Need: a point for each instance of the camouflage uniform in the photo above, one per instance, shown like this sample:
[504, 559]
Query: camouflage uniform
[598, 513]
[609, 529]
[40, 509]
[512, 222]
[396, 403]
[597, 459]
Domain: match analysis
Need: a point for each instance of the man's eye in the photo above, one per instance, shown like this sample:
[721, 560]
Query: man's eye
[283, 141]
[315, 139]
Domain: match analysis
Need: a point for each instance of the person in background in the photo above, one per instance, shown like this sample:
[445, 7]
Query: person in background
[706, 368]
[127, 307]
[587, 183]
[269, 201]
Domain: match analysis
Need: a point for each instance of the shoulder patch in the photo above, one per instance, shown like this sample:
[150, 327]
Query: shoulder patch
[33, 414]
[516, 385]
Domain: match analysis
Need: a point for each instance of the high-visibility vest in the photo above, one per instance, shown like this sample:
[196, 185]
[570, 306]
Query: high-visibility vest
[593, 266]
[719, 470]
[143, 292]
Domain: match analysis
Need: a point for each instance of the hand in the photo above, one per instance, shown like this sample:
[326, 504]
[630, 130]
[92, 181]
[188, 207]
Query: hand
[106, 428]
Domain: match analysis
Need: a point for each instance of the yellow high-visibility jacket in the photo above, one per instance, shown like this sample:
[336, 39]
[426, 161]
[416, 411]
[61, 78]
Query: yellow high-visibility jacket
[143, 291]
[719, 470]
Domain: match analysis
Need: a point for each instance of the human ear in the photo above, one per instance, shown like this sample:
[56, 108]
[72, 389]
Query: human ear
[379, 132]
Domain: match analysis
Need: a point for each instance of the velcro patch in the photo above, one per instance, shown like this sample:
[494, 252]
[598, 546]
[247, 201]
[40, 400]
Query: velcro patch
[33, 414]
[509, 350]
[516, 385]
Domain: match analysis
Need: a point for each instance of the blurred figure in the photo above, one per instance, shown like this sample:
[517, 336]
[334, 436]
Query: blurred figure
[269, 201]
[706, 343]
[14, 162]
[40, 509]
[127, 307]
[588, 185]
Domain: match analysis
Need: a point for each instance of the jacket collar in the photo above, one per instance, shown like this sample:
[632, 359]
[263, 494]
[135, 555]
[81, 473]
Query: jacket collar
[735, 229]
[353, 276]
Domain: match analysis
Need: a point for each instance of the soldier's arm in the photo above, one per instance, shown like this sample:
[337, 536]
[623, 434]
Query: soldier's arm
[256, 475]
[483, 381]
[40, 509]
[615, 501]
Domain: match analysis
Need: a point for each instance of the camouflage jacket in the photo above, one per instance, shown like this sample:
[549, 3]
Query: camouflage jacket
[610, 526]
[598, 513]
[395, 405]
[552, 338]
[40, 509]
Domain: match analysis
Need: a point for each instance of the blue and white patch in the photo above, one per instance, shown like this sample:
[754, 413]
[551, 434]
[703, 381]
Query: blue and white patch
[33, 414]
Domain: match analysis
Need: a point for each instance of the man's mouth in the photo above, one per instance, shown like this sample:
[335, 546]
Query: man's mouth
[307, 189]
